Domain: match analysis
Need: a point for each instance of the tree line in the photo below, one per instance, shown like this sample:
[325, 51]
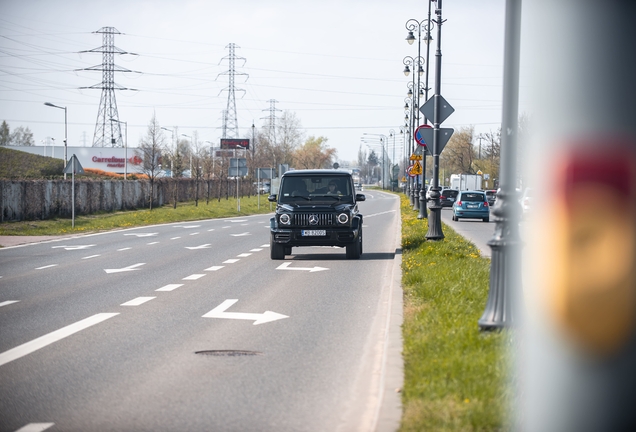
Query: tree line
[21, 136]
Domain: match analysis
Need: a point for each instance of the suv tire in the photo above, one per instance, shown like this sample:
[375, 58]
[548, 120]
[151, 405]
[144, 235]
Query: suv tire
[354, 250]
[276, 251]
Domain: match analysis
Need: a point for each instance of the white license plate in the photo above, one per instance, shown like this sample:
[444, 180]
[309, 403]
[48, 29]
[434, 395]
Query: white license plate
[314, 233]
[472, 206]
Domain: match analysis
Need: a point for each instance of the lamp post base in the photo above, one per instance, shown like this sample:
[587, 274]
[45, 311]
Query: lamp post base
[435, 217]
[422, 198]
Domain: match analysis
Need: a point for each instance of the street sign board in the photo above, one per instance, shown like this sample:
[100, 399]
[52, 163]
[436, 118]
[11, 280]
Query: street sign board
[73, 165]
[238, 167]
[417, 168]
[444, 136]
[419, 138]
[428, 109]
[265, 173]
[235, 143]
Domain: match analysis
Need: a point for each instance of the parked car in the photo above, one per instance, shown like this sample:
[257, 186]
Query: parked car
[448, 197]
[491, 196]
[471, 205]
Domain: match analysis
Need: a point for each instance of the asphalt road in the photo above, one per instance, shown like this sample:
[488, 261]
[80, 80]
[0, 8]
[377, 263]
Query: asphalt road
[475, 230]
[192, 327]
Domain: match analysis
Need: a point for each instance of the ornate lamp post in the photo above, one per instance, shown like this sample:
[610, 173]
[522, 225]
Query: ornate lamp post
[414, 93]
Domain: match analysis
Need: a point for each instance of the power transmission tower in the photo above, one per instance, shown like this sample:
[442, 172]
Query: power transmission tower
[108, 127]
[272, 120]
[230, 123]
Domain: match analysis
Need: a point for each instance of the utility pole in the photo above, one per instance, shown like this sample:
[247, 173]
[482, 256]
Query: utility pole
[108, 133]
[230, 122]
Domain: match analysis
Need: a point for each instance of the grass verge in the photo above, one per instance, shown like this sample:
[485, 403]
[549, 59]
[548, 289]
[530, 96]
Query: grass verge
[455, 376]
[127, 219]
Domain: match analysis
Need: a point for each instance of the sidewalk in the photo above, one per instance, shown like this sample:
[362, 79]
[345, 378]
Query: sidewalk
[6, 241]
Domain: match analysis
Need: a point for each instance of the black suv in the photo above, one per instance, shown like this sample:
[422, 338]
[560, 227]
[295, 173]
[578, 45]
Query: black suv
[316, 208]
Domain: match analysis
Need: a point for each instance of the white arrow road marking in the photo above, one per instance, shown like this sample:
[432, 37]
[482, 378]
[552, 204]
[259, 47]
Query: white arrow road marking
[8, 302]
[142, 234]
[138, 301]
[219, 312]
[241, 235]
[35, 427]
[205, 246]
[286, 266]
[77, 247]
[169, 287]
[47, 339]
[125, 269]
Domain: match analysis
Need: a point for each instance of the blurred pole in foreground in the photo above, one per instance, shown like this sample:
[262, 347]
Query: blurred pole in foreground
[577, 362]
[505, 265]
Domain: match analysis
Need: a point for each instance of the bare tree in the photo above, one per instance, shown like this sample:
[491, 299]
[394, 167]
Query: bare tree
[22, 136]
[459, 153]
[149, 151]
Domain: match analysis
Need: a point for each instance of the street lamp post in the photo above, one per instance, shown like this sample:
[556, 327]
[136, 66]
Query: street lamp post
[125, 146]
[435, 219]
[413, 26]
[383, 140]
[392, 134]
[65, 132]
[414, 93]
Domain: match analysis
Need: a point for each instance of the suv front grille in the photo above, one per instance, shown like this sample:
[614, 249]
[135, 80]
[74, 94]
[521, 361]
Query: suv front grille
[322, 219]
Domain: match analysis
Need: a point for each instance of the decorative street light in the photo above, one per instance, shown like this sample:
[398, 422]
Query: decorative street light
[65, 132]
[435, 220]
[125, 146]
[414, 94]
[413, 26]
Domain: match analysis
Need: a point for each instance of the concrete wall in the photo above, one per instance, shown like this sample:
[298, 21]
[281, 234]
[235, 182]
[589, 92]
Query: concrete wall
[45, 199]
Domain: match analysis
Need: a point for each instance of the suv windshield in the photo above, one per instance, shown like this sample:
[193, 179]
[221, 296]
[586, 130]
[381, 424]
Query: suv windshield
[325, 189]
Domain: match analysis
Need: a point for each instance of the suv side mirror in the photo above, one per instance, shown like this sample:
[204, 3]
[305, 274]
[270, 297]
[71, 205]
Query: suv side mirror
[272, 198]
[360, 197]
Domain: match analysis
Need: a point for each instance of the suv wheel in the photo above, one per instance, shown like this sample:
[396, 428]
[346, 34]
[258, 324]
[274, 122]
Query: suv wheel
[276, 251]
[354, 250]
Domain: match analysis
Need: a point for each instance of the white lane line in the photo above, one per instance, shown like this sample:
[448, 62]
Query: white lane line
[256, 250]
[243, 255]
[265, 246]
[91, 256]
[152, 243]
[47, 266]
[226, 227]
[138, 301]
[47, 339]
[194, 277]
[214, 268]
[169, 287]
[194, 233]
[241, 234]
[175, 238]
[123, 249]
[210, 230]
[231, 261]
[8, 302]
[35, 427]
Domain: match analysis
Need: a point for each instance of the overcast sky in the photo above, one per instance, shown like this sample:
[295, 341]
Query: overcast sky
[336, 64]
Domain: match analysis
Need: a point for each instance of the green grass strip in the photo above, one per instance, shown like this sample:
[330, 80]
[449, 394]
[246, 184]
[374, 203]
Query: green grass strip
[133, 218]
[455, 375]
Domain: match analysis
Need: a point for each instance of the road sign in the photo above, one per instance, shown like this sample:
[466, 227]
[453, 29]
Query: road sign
[73, 166]
[415, 157]
[428, 109]
[409, 171]
[419, 138]
[417, 168]
[444, 136]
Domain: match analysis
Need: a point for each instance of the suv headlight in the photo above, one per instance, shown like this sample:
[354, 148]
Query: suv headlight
[284, 219]
[343, 218]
